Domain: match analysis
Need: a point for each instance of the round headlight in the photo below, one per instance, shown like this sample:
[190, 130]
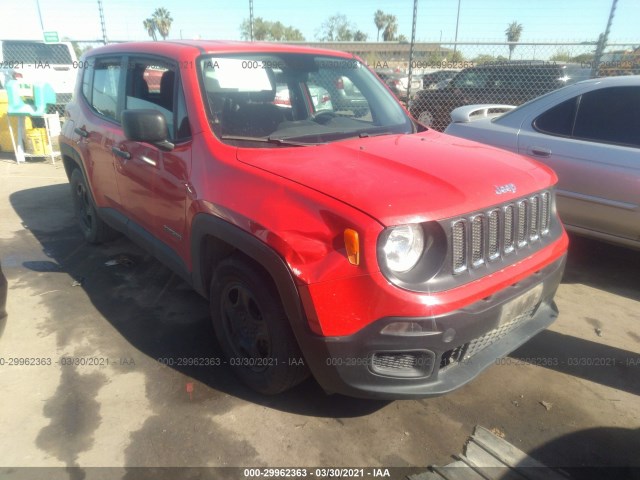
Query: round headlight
[403, 247]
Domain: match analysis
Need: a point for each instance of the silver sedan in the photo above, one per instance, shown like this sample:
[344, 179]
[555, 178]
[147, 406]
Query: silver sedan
[589, 133]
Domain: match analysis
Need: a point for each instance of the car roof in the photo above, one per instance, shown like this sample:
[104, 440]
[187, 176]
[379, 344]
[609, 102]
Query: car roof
[621, 81]
[194, 48]
[525, 64]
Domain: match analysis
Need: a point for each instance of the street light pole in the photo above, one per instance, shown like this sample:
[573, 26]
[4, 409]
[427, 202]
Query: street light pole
[455, 45]
[251, 20]
[40, 16]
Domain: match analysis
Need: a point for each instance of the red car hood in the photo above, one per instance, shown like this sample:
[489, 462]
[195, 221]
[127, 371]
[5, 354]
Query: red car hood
[401, 179]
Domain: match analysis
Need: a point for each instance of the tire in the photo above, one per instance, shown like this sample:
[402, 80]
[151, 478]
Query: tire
[252, 328]
[94, 229]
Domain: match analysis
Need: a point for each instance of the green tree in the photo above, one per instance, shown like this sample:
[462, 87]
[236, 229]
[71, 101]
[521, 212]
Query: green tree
[336, 28]
[162, 18]
[583, 58]
[561, 56]
[390, 29]
[150, 27]
[513, 32]
[265, 30]
[359, 36]
[380, 19]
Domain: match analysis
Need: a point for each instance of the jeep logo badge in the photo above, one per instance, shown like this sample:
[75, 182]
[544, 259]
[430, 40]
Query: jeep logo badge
[509, 187]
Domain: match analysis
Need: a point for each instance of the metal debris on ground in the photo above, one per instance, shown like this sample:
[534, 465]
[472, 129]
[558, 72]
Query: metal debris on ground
[599, 332]
[489, 457]
[546, 405]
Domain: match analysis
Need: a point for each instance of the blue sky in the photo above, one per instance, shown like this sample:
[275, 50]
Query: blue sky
[480, 20]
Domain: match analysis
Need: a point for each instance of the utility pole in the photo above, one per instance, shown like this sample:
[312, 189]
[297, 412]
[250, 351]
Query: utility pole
[411, 48]
[602, 41]
[251, 20]
[40, 16]
[104, 28]
[455, 45]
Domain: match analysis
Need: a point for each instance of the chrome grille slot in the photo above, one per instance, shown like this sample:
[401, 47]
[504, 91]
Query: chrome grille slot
[477, 241]
[544, 213]
[459, 249]
[493, 227]
[509, 225]
[534, 219]
[487, 236]
[521, 234]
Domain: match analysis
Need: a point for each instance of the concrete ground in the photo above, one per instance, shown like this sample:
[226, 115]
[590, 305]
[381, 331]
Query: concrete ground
[569, 397]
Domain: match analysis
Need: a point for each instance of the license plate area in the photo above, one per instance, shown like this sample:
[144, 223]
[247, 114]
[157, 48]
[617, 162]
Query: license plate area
[521, 307]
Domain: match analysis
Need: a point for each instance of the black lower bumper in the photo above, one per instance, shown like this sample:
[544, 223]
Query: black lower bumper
[450, 351]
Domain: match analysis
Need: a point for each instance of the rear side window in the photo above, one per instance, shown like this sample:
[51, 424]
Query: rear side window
[471, 79]
[610, 115]
[106, 80]
[87, 80]
[559, 119]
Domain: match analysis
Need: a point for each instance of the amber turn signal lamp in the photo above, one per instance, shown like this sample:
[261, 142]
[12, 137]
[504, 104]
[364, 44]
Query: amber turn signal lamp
[352, 243]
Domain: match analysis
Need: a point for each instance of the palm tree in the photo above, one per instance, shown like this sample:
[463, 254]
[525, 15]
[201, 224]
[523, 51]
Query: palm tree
[513, 32]
[150, 27]
[162, 19]
[391, 29]
[380, 19]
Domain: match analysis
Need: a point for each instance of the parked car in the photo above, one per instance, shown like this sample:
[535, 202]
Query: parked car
[398, 83]
[438, 79]
[30, 61]
[512, 84]
[319, 97]
[589, 133]
[345, 96]
[364, 250]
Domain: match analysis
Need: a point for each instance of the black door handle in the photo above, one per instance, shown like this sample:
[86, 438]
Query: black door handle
[81, 131]
[541, 151]
[121, 153]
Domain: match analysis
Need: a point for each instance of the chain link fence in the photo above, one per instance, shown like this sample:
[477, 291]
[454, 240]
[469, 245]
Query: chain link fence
[442, 77]
[431, 79]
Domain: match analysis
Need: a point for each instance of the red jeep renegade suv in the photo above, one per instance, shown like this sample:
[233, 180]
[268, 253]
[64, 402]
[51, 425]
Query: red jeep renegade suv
[388, 260]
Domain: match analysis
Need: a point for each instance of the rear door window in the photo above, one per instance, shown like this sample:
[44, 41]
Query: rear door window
[610, 115]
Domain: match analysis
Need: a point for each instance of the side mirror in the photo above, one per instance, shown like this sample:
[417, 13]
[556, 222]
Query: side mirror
[147, 125]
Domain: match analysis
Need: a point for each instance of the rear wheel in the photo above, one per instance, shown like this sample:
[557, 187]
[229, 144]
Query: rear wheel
[93, 228]
[252, 328]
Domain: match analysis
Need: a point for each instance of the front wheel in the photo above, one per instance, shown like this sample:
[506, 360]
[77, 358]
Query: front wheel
[252, 328]
[94, 229]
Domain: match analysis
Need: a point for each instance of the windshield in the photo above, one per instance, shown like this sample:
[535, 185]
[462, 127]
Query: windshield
[285, 99]
[35, 52]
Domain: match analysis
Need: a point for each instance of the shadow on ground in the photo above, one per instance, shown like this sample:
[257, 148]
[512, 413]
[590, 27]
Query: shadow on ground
[154, 311]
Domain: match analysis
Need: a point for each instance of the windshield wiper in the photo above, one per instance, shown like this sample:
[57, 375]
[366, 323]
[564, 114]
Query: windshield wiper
[366, 134]
[275, 141]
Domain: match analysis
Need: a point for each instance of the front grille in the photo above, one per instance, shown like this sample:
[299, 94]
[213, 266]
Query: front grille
[403, 364]
[462, 353]
[480, 343]
[486, 236]
[394, 361]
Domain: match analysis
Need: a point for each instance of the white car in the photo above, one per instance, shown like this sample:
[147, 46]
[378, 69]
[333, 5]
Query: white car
[589, 133]
[31, 61]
